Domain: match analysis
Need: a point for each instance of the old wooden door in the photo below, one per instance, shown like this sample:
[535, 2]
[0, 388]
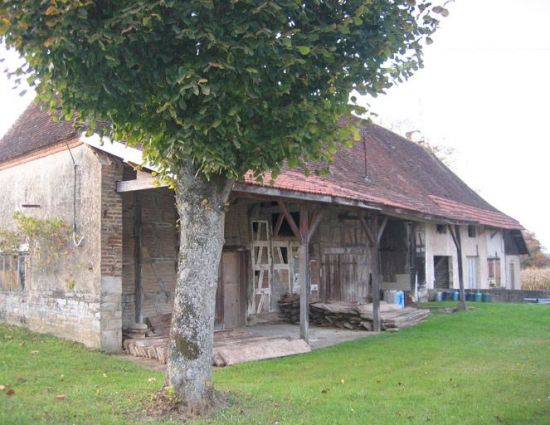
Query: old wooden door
[345, 278]
[230, 296]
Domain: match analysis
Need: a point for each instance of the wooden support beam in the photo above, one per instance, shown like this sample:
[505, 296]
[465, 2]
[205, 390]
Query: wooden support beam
[290, 220]
[458, 244]
[366, 228]
[144, 183]
[315, 221]
[412, 257]
[304, 275]
[278, 225]
[382, 228]
[375, 269]
[138, 302]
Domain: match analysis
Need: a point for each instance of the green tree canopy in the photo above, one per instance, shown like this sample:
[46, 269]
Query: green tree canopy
[234, 85]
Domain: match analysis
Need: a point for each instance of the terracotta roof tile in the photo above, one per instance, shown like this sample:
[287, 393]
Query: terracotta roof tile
[34, 129]
[400, 174]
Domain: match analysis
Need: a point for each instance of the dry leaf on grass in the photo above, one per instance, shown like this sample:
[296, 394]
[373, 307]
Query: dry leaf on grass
[61, 396]
[10, 392]
[35, 352]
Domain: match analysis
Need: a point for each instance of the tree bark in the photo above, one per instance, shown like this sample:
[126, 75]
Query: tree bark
[201, 205]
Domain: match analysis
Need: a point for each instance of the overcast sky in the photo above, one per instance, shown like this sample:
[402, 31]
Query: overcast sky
[484, 91]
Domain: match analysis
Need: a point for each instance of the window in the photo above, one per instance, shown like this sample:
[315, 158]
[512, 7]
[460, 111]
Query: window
[471, 231]
[13, 271]
[441, 228]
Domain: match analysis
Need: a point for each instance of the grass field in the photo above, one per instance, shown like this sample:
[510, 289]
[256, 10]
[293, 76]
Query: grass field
[489, 365]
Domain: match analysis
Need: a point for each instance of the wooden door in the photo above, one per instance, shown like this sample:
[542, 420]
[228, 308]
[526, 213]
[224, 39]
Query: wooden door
[344, 278]
[230, 312]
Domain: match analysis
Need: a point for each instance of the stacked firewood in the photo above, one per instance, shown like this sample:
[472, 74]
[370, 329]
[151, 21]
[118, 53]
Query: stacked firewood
[289, 308]
[152, 348]
[360, 317]
[149, 339]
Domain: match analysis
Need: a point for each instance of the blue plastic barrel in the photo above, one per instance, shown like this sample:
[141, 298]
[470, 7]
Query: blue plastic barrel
[400, 299]
[486, 298]
[478, 297]
[456, 295]
[439, 296]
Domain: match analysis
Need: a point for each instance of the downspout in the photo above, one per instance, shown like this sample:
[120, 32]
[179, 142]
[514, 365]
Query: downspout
[74, 234]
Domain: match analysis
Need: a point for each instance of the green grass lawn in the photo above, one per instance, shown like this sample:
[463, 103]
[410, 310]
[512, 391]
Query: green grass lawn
[490, 365]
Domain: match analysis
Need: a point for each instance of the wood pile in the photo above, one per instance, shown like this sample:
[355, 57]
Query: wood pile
[149, 339]
[230, 347]
[360, 317]
[155, 347]
[289, 308]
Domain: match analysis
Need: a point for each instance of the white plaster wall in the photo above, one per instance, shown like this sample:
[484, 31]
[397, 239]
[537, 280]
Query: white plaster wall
[439, 244]
[481, 247]
[513, 282]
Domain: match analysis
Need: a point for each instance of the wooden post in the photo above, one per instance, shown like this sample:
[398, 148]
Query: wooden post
[303, 233]
[460, 269]
[138, 302]
[304, 275]
[412, 256]
[374, 231]
[458, 244]
[375, 261]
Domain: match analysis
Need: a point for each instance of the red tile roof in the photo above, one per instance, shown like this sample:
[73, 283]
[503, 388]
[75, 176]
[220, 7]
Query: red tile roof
[401, 175]
[34, 129]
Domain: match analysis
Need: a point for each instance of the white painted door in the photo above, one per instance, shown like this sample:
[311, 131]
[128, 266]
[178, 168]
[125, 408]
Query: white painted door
[473, 281]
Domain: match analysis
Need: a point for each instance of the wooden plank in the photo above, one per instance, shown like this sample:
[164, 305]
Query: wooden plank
[262, 350]
[366, 228]
[145, 183]
[137, 260]
[316, 220]
[304, 275]
[278, 225]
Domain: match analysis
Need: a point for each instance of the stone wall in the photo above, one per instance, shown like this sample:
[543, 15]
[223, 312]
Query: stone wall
[76, 296]
[517, 296]
[111, 254]
[61, 297]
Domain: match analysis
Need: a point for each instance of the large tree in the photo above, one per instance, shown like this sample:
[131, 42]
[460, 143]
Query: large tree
[211, 89]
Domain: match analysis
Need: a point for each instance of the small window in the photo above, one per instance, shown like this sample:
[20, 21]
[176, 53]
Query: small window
[13, 271]
[472, 231]
[441, 228]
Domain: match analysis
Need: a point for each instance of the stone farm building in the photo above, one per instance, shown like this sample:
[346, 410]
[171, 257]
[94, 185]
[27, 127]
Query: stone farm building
[386, 199]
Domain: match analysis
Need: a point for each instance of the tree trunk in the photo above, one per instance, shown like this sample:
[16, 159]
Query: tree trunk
[201, 207]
